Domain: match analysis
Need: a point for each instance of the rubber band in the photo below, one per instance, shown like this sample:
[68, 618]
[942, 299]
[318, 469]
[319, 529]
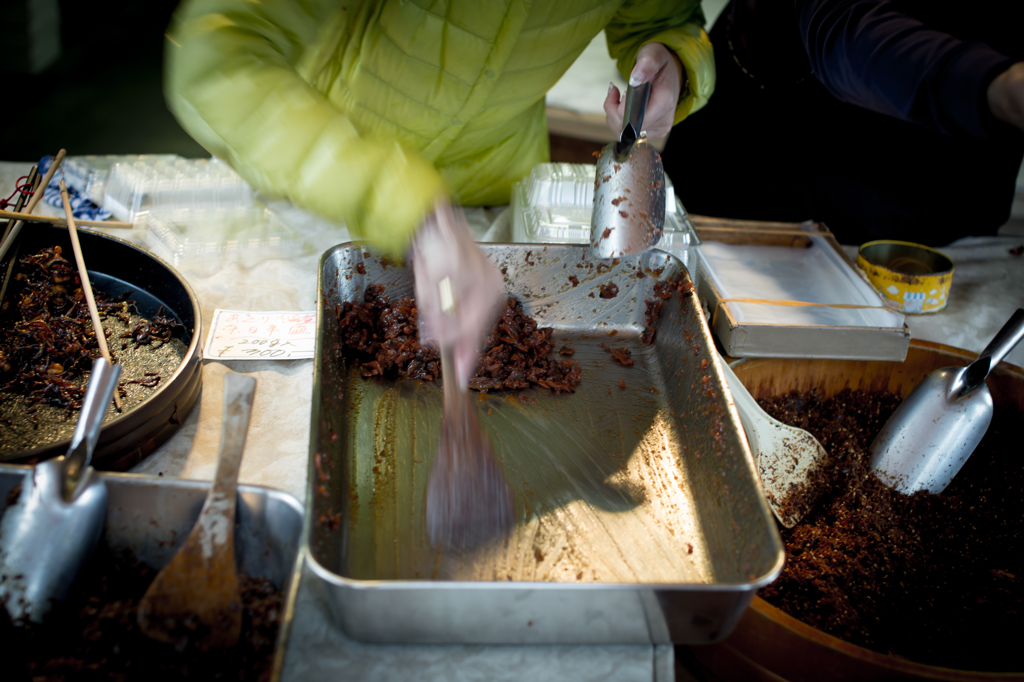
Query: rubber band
[792, 304]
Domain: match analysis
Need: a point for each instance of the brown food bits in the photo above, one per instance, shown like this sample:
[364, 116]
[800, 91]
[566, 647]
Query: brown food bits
[610, 290]
[574, 280]
[618, 200]
[622, 383]
[914, 576]
[623, 214]
[567, 351]
[360, 268]
[623, 356]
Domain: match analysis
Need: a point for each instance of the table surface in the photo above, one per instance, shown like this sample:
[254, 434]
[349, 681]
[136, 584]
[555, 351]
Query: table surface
[988, 286]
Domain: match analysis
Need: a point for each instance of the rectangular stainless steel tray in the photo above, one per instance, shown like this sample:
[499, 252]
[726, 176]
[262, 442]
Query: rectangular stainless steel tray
[639, 517]
[151, 517]
[844, 339]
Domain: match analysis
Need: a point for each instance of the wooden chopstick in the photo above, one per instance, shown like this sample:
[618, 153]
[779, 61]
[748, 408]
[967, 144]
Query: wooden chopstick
[56, 220]
[36, 196]
[86, 285]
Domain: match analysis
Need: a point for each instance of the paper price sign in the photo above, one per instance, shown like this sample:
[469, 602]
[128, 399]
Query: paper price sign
[241, 335]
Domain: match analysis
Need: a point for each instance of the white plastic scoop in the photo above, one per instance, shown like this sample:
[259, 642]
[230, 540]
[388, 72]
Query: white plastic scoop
[936, 428]
[788, 458]
[53, 528]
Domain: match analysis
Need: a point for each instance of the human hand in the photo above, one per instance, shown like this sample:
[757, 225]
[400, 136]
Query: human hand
[444, 247]
[656, 64]
[1006, 96]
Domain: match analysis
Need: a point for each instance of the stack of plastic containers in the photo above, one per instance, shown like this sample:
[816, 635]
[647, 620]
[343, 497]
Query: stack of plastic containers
[197, 214]
[88, 174]
[146, 186]
[554, 203]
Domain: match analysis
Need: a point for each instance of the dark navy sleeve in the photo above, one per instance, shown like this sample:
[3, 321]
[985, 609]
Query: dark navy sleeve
[866, 53]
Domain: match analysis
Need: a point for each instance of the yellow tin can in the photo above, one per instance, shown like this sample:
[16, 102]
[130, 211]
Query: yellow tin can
[911, 278]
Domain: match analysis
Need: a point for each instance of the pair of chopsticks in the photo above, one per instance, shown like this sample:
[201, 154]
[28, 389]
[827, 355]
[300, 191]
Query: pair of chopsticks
[90, 300]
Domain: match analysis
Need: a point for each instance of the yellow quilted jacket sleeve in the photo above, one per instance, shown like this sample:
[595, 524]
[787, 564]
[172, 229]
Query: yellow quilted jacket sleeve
[677, 25]
[233, 81]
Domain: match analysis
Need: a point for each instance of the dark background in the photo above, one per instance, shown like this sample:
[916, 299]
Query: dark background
[104, 94]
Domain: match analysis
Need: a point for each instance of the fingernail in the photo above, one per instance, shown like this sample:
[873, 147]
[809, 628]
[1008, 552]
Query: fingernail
[611, 87]
[635, 78]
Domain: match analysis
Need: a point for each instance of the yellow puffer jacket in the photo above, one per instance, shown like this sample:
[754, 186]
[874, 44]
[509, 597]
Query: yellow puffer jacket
[366, 111]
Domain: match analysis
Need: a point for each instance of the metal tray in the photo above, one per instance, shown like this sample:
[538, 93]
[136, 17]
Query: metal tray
[639, 515]
[151, 517]
[787, 339]
[151, 415]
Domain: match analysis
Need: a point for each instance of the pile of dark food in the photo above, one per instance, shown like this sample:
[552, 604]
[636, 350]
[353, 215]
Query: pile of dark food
[47, 341]
[936, 579]
[93, 635]
[382, 337]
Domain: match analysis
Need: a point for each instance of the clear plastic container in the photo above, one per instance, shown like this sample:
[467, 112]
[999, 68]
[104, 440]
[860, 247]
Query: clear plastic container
[554, 205]
[202, 241]
[88, 174]
[142, 187]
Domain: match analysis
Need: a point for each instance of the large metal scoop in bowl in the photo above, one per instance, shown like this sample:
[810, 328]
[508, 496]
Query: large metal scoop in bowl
[629, 187]
[53, 528]
[936, 428]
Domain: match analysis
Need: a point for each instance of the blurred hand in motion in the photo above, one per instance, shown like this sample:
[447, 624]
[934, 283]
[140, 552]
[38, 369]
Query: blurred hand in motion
[1006, 96]
[656, 64]
[444, 247]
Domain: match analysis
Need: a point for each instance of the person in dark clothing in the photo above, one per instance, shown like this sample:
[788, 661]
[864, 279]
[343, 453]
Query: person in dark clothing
[883, 119]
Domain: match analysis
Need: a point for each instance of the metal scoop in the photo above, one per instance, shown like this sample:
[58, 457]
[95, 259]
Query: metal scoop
[788, 458]
[195, 598]
[53, 528]
[469, 501]
[629, 187]
[933, 432]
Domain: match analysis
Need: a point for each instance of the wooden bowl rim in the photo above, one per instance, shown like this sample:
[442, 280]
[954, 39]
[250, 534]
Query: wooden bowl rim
[805, 631]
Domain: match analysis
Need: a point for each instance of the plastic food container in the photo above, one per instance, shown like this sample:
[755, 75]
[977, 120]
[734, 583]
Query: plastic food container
[136, 189]
[88, 174]
[206, 240]
[554, 204]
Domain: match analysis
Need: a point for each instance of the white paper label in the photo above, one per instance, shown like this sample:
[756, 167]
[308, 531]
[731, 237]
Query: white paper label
[277, 335]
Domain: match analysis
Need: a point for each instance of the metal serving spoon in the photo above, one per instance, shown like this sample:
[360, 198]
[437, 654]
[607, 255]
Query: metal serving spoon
[629, 187]
[932, 433]
[52, 530]
[469, 500]
[788, 458]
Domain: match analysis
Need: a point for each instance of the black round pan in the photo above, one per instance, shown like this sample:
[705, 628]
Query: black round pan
[150, 415]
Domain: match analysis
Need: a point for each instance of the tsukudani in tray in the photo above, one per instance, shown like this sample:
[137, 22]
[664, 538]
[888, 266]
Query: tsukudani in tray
[638, 514]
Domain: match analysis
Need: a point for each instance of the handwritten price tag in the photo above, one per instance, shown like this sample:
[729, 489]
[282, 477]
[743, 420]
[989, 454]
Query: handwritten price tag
[240, 335]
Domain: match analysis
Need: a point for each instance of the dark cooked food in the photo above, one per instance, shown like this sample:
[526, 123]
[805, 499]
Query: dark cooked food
[623, 355]
[93, 635]
[517, 354]
[47, 341]
[382, 337]
[937, 579]
[610, 290]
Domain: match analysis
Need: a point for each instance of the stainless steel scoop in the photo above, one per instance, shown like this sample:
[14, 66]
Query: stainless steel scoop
[53, 528]
[629, 187]
[933, 432]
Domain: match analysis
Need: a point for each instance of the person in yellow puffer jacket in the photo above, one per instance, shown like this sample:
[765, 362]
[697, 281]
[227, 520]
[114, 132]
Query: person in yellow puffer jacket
[376, 112]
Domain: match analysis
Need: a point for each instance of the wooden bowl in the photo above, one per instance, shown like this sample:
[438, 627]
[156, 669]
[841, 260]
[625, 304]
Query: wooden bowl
[768, 644]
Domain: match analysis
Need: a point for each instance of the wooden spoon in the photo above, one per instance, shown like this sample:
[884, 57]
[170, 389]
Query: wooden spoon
[195, 599]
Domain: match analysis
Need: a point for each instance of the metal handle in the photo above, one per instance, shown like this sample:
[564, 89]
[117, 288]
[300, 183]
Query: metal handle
[633, 116]
[1004, 341]
[102, 382]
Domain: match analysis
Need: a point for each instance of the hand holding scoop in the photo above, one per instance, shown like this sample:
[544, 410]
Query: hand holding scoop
[629, 187]
[52, 530]
[195, 597]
